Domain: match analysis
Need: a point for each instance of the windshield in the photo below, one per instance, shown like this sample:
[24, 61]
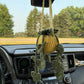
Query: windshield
[20, 21]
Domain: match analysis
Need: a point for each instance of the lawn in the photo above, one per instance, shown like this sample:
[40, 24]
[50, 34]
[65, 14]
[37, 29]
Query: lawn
[7, 41]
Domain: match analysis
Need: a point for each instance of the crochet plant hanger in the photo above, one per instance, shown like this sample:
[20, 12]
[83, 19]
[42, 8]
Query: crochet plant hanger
[47, 42]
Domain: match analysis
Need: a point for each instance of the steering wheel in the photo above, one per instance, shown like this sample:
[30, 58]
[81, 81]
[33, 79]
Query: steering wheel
[10, 68]
[2, 79]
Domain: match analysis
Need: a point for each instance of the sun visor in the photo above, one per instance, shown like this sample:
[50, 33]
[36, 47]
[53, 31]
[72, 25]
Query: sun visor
[39, 3]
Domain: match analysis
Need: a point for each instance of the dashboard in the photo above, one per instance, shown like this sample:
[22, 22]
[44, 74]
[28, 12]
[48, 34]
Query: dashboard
[19, 57]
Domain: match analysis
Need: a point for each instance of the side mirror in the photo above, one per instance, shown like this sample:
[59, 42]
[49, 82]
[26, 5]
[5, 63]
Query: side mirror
[39, 3]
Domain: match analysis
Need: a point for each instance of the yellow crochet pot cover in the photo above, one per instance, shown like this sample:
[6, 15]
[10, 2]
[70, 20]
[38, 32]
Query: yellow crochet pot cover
[51, 43]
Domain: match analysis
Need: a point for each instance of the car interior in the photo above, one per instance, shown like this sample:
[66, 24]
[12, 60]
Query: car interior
[18, 64]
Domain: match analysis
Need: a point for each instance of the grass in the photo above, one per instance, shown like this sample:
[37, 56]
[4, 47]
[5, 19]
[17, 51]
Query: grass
[13, 41]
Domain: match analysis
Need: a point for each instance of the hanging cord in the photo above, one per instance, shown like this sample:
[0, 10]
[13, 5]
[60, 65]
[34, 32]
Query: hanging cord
[42, 15]
[51, 18]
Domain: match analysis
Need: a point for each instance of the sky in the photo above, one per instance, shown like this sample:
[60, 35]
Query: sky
[20, 10]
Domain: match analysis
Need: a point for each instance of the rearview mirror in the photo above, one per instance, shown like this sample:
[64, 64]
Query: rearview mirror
[39, 3]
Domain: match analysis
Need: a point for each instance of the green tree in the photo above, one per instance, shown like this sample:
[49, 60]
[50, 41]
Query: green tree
[77, 21]
[29, 24]
[62, 22]
[34, 22]
[70, 22]
[6, 22]
[46, 21]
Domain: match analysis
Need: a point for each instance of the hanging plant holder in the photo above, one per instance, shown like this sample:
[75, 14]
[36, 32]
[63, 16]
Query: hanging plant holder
[51, 41]
[47, 42]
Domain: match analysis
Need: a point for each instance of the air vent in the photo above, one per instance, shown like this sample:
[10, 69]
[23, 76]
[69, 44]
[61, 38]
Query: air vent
[69, 62]
[22, 65]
